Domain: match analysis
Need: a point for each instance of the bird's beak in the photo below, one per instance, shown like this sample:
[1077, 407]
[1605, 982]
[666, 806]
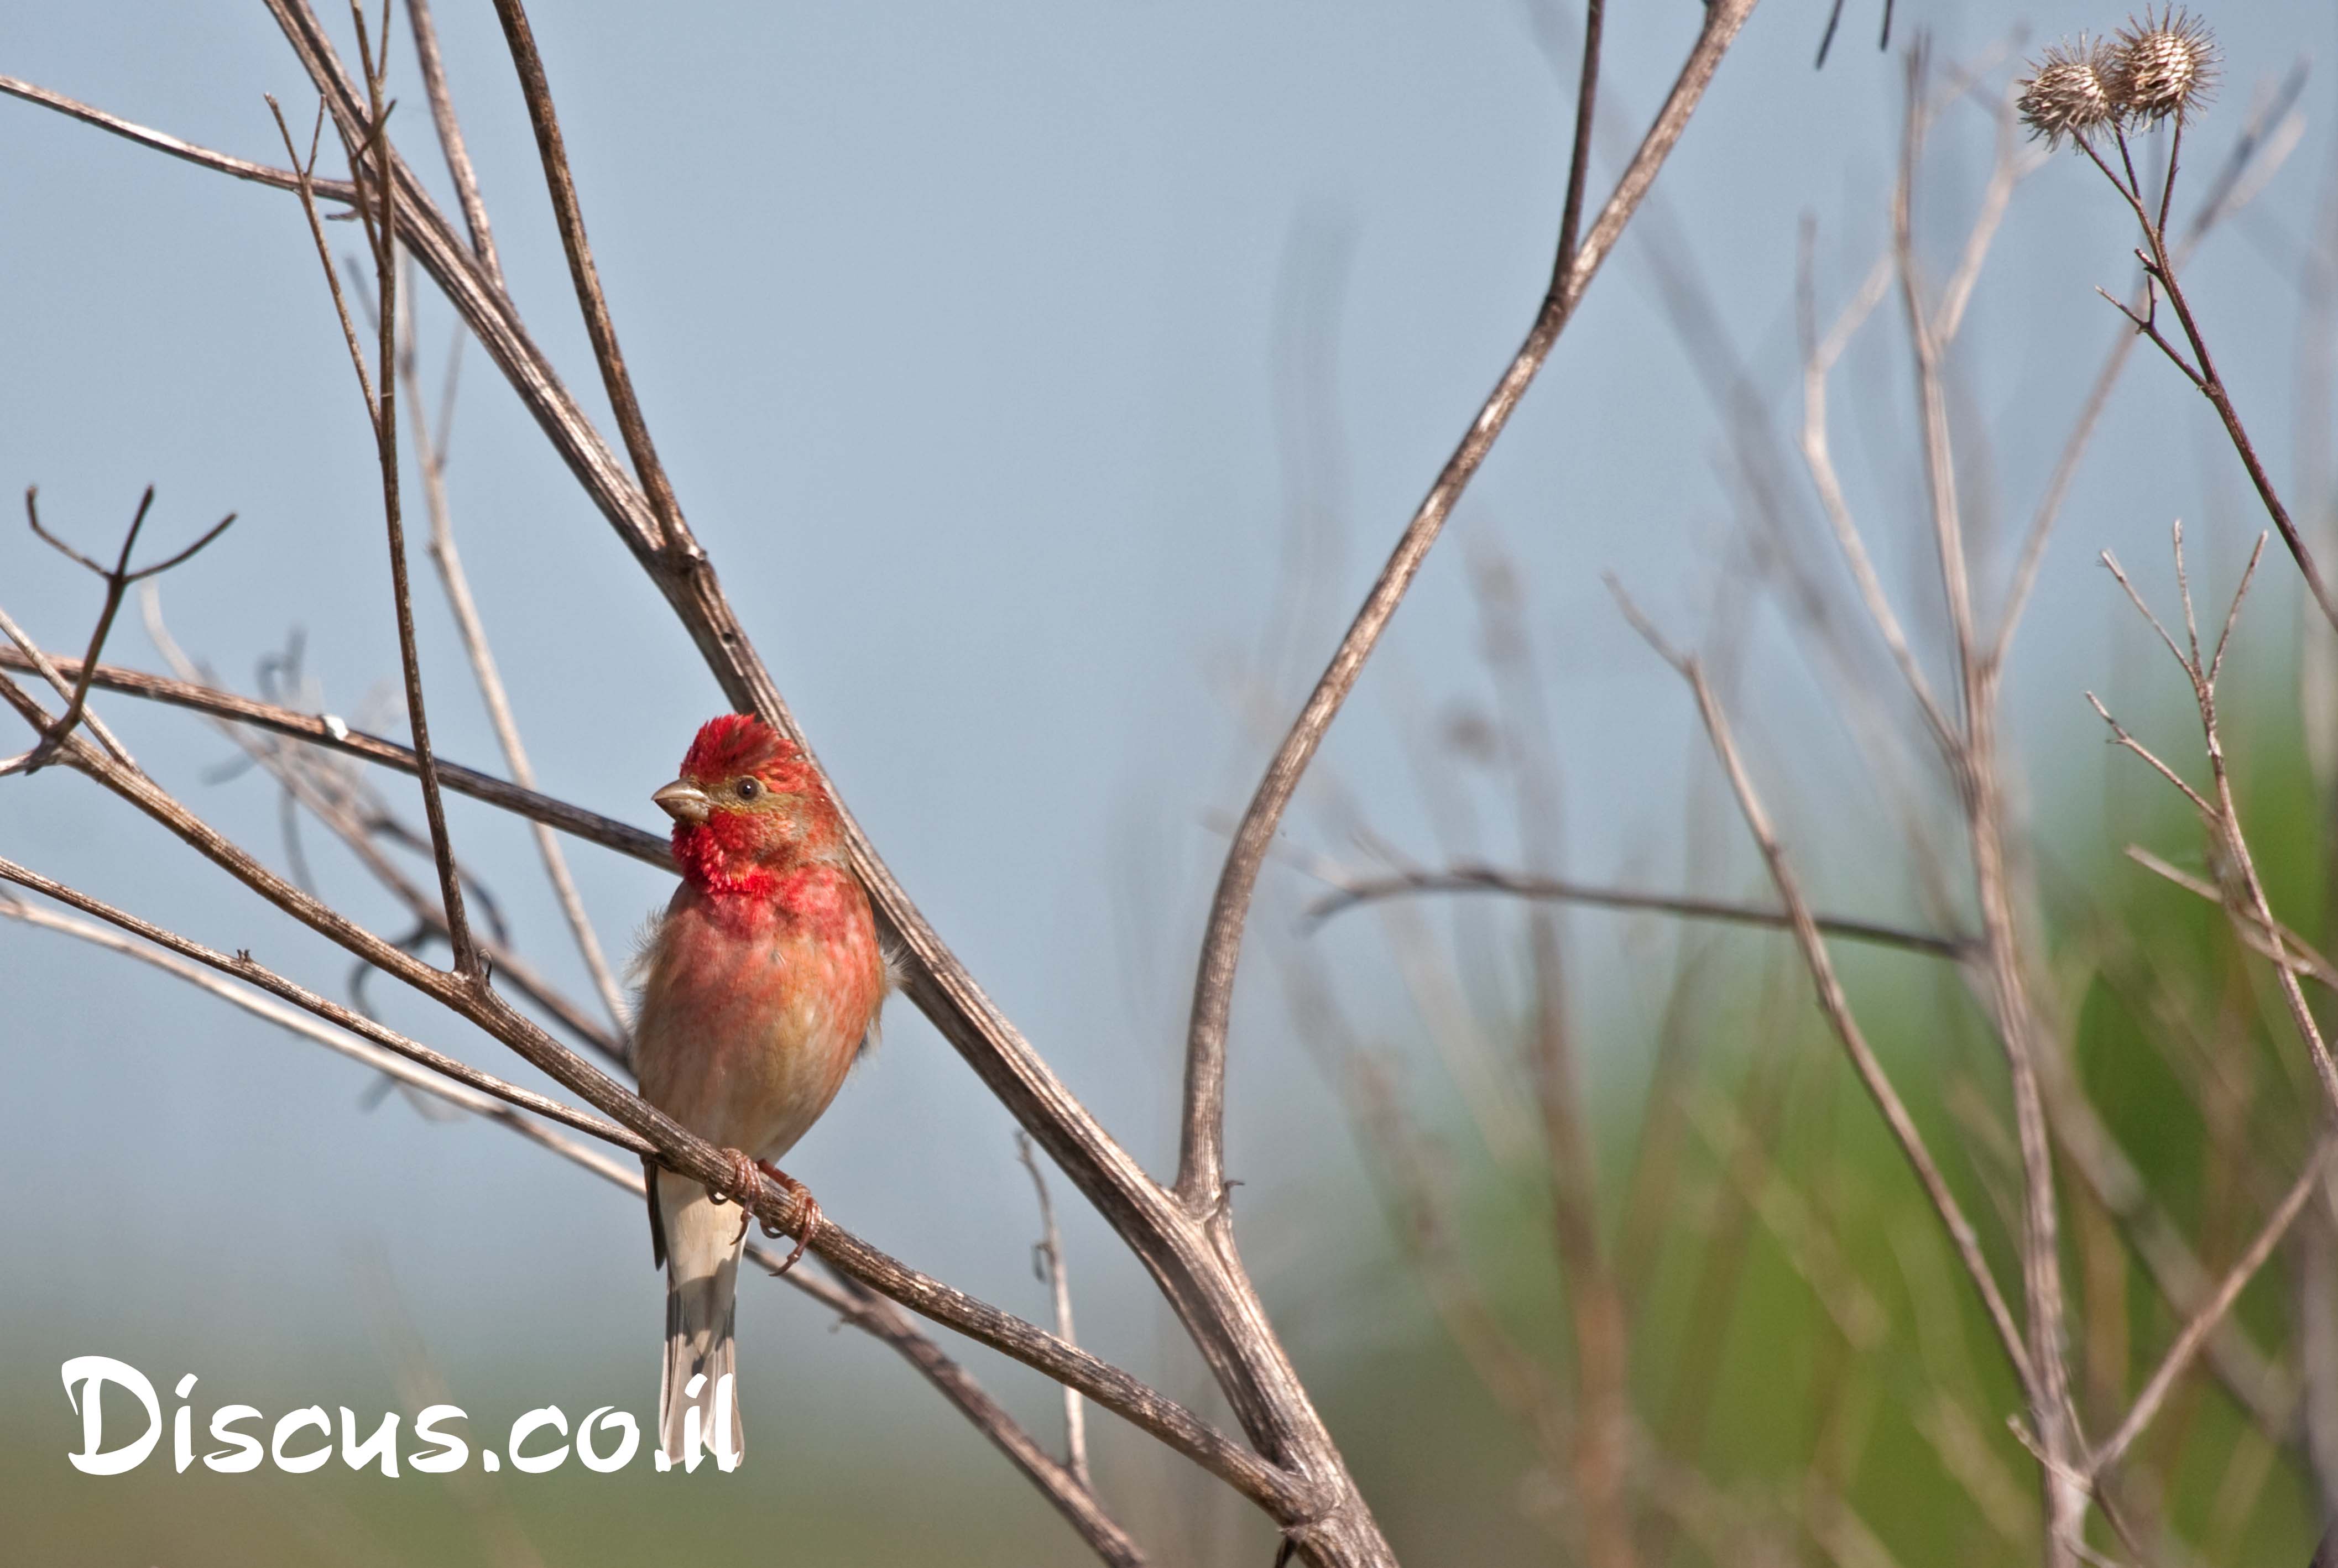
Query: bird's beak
[684, 802]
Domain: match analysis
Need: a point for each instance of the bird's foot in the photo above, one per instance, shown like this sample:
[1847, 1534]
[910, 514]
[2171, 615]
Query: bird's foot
[740, 1190]
[812, 1218]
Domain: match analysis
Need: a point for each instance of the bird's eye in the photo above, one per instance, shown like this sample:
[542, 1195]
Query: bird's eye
[747, 788]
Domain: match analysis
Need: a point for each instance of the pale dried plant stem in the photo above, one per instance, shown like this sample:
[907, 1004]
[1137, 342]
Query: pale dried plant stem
[2283, 944]
[1819, 358]
[1596, 1319]
[1049, 1253]
[1467, 878]
[2105, 1170]
[431, 463]
[585, 275]
[450, 138]
[2211, 1312]
[330, 733]
[2221, 813]
[1976, 771]
[353, 821]
[1834, 1005]
[385, 1040]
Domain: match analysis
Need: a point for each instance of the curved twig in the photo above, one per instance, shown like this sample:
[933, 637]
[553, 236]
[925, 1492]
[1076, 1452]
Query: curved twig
[1493, 879]
[1201, 1161]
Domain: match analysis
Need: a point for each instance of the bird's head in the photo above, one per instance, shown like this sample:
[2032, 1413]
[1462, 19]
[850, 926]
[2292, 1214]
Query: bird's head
[747, 808]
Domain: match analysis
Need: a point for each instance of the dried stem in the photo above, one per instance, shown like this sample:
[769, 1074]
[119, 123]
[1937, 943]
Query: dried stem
[1201, 1162]
[2246, 896]
[1596, 1317]
[1493, 880]
[450, 138]
[117, 579]
[202, 157]
[1971, 755]
[2211, 1312]
[2201, 369]
[431, 463]
[1195, 1263]
[330, 733]
[1836, 1006]
[1047, 1259]
[562, 185]
[243, 968]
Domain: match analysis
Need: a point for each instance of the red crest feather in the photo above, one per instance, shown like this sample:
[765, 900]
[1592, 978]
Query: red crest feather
[735, 743]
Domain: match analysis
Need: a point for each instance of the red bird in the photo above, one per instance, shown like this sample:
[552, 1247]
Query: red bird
[760, 985]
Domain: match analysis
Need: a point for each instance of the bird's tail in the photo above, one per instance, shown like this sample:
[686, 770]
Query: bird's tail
[698, 1401]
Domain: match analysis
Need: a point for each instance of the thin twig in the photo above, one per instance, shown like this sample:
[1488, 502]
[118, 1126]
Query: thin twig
[1819, 358]
[1201, 1161]
[305, 186]
[331, 734]
[2223, 815]
[117, 579]
[2201, 370]
[450, 137]
[2284, 946]
[1598, 1327]
[561, 183]
[356, 816]
[2212, 1311]
[202, 157]
[1999, 971]
[383, 234]
[1836, 1005]
[245, 968]
[1493, 879]
[430, 462]
[1048, 1258]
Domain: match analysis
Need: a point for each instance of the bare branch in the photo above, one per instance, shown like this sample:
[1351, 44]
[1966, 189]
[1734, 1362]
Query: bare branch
[2202, 370]
[117, 579]
[1048, 1258]
[561, 184]
[2284, 946]
[243, 968]
[2121, 738]
[1819, 356]
[450, 137]
[2257, 152]
[2247, 902]
[306, 186]
[431, 463]
[1836, 1005]
[331, 734]
[203, 157]
[1200, 1152]
[1493, 880]
[2212, 1311]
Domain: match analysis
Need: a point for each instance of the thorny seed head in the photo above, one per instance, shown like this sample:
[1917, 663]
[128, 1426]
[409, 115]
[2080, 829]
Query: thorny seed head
[2163, 65]
[2069, 92]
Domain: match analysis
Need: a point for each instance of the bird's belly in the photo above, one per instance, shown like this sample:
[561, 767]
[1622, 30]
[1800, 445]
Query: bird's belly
[746, 1043]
